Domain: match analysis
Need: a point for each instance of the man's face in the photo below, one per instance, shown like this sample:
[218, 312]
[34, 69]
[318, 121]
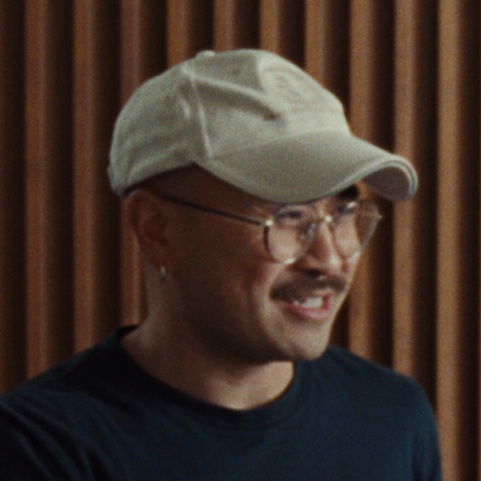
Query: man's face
[233, 298]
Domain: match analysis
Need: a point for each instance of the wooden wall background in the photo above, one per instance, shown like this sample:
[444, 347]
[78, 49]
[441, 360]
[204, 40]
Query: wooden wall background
[408, 72]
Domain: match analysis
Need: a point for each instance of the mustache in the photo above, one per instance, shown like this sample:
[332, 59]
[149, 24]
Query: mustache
[303, 286]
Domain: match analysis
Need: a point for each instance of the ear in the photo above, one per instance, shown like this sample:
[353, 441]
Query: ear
[148, 219]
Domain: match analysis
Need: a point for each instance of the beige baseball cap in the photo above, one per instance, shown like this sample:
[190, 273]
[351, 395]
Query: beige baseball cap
[254, 120]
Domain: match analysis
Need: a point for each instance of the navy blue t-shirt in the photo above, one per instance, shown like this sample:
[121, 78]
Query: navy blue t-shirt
[100, 417]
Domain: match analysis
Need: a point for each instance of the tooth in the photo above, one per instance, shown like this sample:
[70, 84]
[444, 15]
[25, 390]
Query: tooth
[310, 302]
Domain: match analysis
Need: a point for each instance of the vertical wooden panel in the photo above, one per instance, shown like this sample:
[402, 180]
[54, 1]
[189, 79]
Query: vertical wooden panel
[96, 216]
[458, 251]
[48, 182]
[236, 24]
[143, 54]
[282, 28]
[143, 42]
[371, 118]
[189, 28]
[415, 221]
[12, 300]
[327, 44]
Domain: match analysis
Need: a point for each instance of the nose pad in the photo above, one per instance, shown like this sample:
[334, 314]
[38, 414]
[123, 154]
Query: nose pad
[323, 253]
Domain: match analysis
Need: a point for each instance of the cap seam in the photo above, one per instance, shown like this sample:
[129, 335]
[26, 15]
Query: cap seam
[200, 112]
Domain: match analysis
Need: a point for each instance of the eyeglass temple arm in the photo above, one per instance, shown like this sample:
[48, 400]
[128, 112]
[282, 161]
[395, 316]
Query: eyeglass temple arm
[262, 223]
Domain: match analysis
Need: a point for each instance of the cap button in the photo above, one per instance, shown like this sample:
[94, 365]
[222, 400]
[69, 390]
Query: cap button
[205, 53]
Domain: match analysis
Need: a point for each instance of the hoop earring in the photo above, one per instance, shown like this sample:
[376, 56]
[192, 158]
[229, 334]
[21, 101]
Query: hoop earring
[163, 274]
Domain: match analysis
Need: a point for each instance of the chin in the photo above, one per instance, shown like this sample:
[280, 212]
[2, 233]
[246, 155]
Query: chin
[309, 344]
[310, 355]
[304, 352]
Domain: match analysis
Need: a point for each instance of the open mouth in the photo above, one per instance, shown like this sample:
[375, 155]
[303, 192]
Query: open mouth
[318, 307]
[310, 299]
[311, 302]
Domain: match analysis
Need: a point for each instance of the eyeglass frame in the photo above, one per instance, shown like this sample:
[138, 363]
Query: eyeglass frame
[266, 224]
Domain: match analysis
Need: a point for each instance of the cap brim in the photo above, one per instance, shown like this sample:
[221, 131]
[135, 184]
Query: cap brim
[315, 165]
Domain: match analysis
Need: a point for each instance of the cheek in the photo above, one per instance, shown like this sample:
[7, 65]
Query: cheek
[351, 266]
[227, 244]
[222, 257]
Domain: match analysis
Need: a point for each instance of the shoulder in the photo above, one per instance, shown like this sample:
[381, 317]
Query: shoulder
[58, 377]
[382, 415]
[45, 421]
[371, 387]
[60, 394]
[354, 369]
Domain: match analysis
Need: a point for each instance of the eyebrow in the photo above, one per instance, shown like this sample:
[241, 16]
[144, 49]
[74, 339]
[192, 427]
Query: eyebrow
[353, 192]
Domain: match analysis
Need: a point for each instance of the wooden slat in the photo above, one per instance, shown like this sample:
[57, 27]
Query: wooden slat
[415, 221]
[96, 209]
[282, 28]
[143, 42]
[189, 28]
[327, 44]
[236, 24]
[48, 183]
[143, 54]
[12, 301]
[458, 236]
[371, 100]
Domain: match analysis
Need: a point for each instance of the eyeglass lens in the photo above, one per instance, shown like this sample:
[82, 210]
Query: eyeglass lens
[295, 227]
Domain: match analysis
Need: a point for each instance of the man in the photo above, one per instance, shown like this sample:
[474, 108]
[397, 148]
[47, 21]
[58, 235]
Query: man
[244, 188]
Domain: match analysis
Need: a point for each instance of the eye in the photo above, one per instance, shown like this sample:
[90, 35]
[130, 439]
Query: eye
[293, 216]
[342, 209]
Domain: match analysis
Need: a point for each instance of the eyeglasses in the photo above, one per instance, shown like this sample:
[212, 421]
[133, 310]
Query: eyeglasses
[290, 231]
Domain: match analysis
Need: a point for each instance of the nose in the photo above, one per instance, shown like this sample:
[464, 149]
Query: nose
[322, 254]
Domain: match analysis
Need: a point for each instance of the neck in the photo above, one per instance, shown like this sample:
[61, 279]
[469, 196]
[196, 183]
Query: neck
[223, 382]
